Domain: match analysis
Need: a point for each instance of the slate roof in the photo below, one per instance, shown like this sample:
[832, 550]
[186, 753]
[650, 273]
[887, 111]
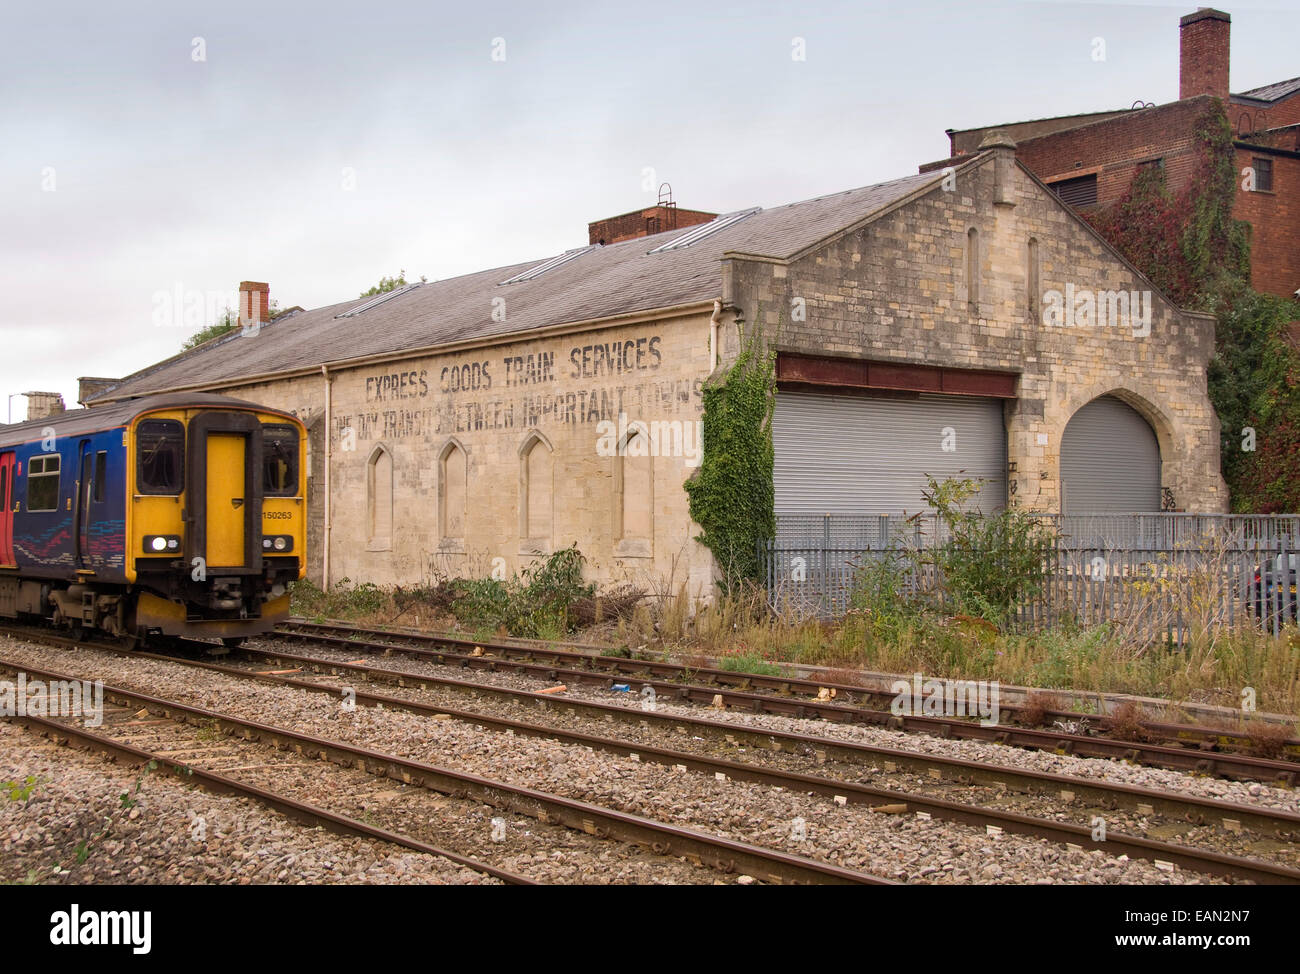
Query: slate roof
[614, 279]
[1273, 92]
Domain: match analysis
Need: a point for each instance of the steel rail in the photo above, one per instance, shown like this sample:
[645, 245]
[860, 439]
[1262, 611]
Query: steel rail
[313, 816]
[1115, 843]
[779, 684]
[662, 838]
[1224, 764]
[1192, 808]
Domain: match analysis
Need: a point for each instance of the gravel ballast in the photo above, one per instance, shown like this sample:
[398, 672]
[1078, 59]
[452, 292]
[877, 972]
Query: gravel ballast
[167, 832]
[1246, 793]
[904, 847]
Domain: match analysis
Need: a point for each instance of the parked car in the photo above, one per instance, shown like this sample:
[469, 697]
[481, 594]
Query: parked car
[1274, 594]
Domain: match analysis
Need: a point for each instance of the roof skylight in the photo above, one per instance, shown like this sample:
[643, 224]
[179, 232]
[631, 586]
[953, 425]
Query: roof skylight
[698, 233]
[546, 265]
[386, 296]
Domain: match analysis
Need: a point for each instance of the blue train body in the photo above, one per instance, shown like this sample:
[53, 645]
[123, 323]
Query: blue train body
[45, 542]
[175, 515]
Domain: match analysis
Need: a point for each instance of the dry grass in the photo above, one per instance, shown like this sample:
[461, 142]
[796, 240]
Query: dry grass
[845, 676]
[1037, 708]
[1195, 588]
[1268, 740]
[1217, 663]
[617, 603]
[1125, 722]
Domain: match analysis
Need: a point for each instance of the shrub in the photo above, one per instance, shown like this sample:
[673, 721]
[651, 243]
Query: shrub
[989, 563]
[1125, 722]
[979, 565]
[1268, 740]
[538, 603]
[881, 592]
[342, 601]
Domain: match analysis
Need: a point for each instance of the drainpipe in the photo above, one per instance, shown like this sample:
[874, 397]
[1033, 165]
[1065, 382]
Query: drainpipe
[713, 335]
[329, 439]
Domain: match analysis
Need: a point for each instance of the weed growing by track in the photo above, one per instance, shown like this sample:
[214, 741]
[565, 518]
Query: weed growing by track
[886, 631]
[19, 791]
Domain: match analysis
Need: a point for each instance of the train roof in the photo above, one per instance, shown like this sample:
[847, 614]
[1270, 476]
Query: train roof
[98, 418]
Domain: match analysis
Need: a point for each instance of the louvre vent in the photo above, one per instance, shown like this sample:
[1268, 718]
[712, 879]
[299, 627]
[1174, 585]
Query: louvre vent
[1077, 192]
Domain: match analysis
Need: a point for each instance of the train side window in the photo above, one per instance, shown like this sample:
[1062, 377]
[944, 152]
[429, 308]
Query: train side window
[160, 447]
[279, 461]
[101, 474]
[43, 483]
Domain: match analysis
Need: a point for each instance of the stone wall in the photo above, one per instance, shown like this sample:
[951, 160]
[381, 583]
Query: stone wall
[574, 397]
[897, 289]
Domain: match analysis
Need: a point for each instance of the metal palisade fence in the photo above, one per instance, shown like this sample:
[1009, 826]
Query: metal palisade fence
[1151, 576]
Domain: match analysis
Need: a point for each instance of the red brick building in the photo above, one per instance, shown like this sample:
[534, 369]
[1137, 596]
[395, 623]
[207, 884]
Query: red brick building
[1090, 160]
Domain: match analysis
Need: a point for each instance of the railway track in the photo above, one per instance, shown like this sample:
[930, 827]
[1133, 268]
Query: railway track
[792, 697]
[659, 838]
[305, 813]
[817, 748]
[1146, 801]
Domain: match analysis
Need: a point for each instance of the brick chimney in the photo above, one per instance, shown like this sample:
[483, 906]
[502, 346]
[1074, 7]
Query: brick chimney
[1203, 54]
[644, 223]
[254, 303]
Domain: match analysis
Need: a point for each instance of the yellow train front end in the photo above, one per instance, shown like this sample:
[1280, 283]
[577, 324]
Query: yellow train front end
[216, 523]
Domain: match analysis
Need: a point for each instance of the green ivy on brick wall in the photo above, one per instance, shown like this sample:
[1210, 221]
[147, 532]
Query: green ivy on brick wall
[1192, 249]
[1186, 242]
[1255, 386]
[731, 494]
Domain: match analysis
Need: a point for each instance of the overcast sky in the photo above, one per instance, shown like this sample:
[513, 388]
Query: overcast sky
[317, 147]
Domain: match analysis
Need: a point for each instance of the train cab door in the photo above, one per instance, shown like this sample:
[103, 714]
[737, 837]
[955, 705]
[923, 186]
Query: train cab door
[7, 559]
[225, 492]
[81, 525]
[224, 514]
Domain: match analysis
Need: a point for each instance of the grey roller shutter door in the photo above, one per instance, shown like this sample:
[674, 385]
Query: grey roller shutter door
[1110, 461]
[858, 455]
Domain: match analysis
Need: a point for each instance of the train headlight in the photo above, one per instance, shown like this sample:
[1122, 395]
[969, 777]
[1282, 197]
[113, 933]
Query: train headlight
[277, 542]
[281, 543]
[157, 544]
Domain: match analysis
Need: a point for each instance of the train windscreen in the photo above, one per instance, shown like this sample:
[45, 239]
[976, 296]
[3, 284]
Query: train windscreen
[160, 446]
[279, 461]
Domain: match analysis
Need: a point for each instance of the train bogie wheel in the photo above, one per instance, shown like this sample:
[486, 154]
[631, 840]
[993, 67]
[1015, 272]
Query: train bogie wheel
[232, 642]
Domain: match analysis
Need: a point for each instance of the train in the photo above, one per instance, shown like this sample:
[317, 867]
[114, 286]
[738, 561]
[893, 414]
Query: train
[178, 515]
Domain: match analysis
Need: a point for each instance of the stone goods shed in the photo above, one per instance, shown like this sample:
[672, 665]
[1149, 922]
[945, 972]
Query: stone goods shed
[959, 321]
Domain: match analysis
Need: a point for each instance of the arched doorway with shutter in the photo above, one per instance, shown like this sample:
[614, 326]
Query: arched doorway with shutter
[1110, 460]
